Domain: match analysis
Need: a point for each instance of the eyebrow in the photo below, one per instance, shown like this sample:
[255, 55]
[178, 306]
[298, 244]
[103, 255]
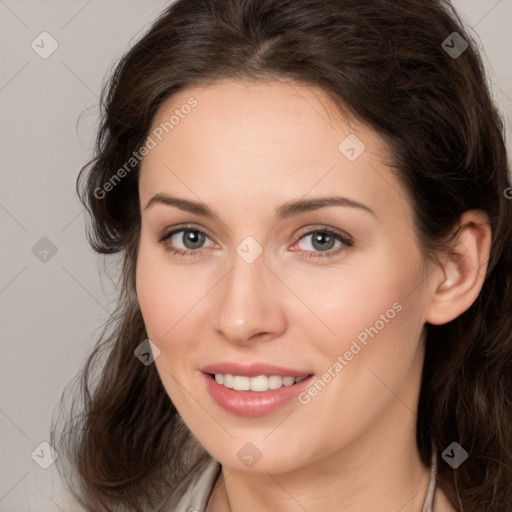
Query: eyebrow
[286, 210]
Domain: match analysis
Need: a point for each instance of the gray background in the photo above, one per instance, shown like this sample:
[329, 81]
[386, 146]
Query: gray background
[52, 310]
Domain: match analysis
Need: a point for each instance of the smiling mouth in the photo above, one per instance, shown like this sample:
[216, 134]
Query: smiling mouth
[260, 383]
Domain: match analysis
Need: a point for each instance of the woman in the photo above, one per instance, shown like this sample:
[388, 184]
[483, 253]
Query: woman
[315, 314]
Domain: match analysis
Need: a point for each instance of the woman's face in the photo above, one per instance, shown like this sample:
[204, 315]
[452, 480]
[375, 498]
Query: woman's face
[273, 274]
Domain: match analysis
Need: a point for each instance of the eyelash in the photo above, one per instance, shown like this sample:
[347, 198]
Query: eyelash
[347, 243]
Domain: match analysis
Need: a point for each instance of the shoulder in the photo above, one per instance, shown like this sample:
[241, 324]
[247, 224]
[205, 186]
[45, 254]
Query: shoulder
[194, 489]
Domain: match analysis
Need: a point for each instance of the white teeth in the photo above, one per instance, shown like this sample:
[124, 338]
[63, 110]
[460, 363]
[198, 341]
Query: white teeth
[241, 383]
[259, 383]
[228, 381]
[275, 382]
[288, 381]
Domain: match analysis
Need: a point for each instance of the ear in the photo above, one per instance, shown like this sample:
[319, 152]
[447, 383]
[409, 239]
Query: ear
[459, 279]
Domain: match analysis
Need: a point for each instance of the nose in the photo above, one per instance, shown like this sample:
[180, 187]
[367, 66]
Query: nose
[248, 303]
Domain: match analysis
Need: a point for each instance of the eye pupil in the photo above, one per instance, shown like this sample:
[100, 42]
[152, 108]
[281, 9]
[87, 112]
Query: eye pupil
[325, 241]
[195, 238]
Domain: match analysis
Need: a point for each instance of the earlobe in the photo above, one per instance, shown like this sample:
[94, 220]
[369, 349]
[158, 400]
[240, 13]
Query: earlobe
[463, 270]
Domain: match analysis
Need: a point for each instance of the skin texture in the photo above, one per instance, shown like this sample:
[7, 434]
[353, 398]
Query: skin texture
[244, 150]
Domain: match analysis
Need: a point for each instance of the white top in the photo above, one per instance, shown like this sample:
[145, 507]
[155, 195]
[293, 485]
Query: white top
[194, 490]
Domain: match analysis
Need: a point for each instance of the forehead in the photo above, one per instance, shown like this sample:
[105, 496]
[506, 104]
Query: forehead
[282, 110]
[255, 138]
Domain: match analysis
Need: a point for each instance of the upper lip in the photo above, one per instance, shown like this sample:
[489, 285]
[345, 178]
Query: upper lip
[253, 370]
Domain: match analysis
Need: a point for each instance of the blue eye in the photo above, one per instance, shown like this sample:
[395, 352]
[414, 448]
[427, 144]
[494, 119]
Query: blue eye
[191, 239]
[322, 243]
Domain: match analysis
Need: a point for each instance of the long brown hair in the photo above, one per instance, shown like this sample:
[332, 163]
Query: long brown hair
[385, 62]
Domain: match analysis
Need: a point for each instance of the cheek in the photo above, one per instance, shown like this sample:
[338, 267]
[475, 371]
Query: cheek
[161, 293]
[170, 299]
[150, 295]
[164, 299]
[372, 359]
[372, 316]
[353, 296]
[164, 295]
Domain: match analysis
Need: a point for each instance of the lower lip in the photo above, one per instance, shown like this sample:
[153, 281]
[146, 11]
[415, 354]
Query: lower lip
[253, 403]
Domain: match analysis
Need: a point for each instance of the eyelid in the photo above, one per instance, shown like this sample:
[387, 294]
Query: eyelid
[167, 233]
[323, 227]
